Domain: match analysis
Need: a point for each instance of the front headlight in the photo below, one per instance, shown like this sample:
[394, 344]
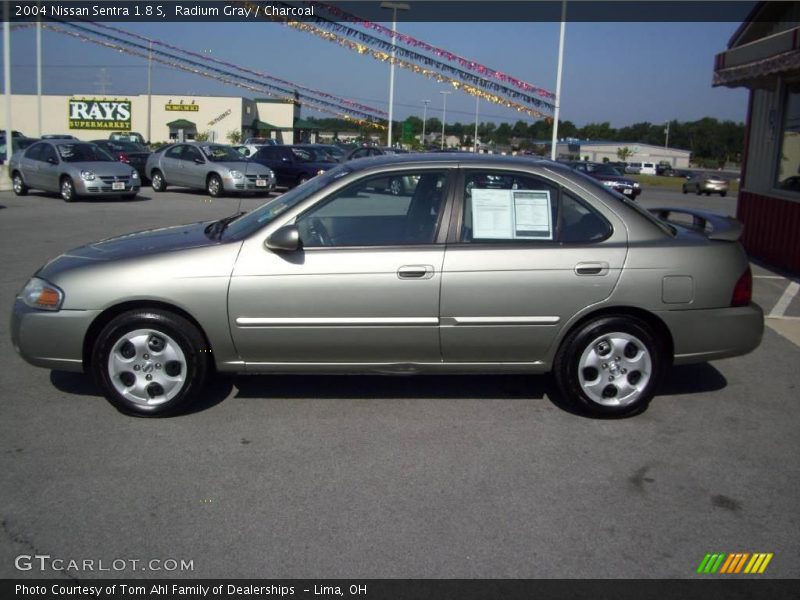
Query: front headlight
[321, 172]
[636, 184]
[87, 175]
[37, 293]
[134, 175]
[236, 174]
[609, 183]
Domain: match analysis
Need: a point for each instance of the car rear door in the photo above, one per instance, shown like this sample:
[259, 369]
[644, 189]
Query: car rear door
[523, 257]
[49, 170]
[363, 289]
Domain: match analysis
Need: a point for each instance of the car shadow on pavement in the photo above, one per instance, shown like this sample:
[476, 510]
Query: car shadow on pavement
[691, 379]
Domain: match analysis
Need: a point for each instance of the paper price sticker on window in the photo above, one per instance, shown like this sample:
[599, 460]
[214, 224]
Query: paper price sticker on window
[512, 214]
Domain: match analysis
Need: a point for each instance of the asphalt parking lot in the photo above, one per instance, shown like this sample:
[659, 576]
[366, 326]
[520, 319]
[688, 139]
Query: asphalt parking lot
[367, 477]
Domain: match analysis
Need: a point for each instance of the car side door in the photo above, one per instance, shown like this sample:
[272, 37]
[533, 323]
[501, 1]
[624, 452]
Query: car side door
[172, 165]
[29, 162]
[49, 169]
[363, 288]
[524, 255]
[195, 167]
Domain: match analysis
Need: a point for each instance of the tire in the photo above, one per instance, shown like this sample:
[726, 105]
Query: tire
[396, 186]
[129, 196]
[723, 194]
[127, 352]
[18, 184]
[685, 191]
[67, 188]
[590, 377]
[157, 181]
[708, 193]
[214, 186]
[697, 190]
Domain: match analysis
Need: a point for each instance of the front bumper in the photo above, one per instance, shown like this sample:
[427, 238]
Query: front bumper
[709, 334]
[97, 186]
[248, 184]
[53, 340]
[630, 192]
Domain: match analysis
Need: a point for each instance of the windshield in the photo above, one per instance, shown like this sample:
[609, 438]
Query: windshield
[218, 153]
[83, 153]
[264, 214]
[307, 154]
[603, 169]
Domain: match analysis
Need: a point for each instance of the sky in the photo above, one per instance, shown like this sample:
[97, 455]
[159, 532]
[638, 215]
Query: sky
[622, 73]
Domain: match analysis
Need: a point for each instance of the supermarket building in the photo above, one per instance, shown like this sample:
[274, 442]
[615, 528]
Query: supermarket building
[171, 117]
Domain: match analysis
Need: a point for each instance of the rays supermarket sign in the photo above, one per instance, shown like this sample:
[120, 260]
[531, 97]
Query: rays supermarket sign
[100, 114]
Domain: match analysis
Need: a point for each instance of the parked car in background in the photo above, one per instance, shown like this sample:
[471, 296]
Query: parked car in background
[58, 136]
[73, 169]
[293, 165]
[336, 153]
[664, 170]
[261, 141]
[609, 177]
[17, 144]
[128, 136]
[131, 153]
[216, 168]
[704, 183]
[545, 271]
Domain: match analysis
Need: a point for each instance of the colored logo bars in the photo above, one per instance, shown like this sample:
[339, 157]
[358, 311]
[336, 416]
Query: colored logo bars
[734, 563]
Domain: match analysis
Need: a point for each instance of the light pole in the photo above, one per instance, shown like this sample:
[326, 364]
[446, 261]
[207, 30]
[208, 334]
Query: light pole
[475, 137]
[424, 118]
[444, 112]
[149, 89]
[666, 140]
[39, 71]
[395, 6]
[7, 75]
[558, 79]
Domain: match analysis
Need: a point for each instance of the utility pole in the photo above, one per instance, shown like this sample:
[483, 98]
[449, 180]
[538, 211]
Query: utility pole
[7, 75]
[149, 89]
[424, 118]
[666, 140]
[475, 137]
[444, 113]
[39, 71]
[395, 6]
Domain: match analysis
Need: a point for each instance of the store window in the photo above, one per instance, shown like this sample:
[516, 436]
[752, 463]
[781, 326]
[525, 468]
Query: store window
[789, 159]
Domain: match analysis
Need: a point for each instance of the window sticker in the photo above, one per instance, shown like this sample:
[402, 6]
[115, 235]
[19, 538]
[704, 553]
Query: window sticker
[511, 214]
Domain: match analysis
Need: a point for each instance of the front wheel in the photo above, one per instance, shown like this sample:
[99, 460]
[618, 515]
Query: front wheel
[158, 182]
[150, 362]
[214, 186]
[723, 194]
[610, 366]
[67, 190]
[395, 186]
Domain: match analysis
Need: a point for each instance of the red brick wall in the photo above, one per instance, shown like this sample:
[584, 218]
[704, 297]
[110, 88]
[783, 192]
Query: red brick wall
[771, 229]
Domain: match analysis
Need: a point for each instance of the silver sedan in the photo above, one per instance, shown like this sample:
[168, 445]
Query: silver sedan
[73, 169]
[216, 168]
[487, 265]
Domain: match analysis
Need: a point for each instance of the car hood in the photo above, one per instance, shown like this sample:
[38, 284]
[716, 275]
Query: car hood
[142, 243]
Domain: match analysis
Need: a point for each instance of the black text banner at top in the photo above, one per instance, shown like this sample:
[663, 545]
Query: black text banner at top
[476, 11]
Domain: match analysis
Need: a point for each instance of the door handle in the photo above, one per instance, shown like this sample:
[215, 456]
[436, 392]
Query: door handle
[415, 272]
[591, 268]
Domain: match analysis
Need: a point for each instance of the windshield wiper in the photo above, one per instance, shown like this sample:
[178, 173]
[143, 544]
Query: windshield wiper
[217, 228]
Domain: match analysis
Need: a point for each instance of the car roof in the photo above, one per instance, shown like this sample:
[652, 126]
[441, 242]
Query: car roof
[465, 159]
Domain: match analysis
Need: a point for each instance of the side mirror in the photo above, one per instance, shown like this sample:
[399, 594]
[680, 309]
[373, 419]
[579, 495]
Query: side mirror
[52, 161]
[285, 239]
[199, 161]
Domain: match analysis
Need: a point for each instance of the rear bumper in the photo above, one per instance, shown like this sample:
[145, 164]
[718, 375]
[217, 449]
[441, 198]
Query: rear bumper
[53, 340]
[702, 335]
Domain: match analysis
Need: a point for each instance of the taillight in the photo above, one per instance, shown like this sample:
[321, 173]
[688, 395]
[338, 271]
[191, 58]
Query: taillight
[743, 290]
[124, 158]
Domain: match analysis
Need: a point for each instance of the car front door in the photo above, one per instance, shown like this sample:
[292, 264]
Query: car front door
[172, 165]
[48, 169]
[523, 257]
[363, 289]
[195, 168]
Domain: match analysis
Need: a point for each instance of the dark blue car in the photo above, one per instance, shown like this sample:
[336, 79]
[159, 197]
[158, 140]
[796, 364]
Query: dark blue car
[294, 165]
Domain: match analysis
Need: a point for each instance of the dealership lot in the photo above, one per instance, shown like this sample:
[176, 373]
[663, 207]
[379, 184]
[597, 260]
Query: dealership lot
[298, 476]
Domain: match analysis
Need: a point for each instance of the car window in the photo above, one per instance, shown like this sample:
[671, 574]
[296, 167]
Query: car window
[174, 152]
[303, 154]
[506, 206]
[48, 153]
[219, 153]
[34, 152]
[579, 223]
[191, 153]
[360, 153]
[268, 152]
[367, 213]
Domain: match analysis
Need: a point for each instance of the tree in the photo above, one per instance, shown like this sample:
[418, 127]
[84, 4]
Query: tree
[203, 136]
[624, 153]
[234, 136]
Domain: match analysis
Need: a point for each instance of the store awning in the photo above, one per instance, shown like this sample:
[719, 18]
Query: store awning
[181, 124]
[262, 126]
[301, 124]
[756, 63]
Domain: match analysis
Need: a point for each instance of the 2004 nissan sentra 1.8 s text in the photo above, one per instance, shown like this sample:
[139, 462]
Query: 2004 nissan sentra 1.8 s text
[482, 264]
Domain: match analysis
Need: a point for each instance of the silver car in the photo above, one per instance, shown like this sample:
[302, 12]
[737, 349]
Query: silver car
[703, 183]
[540, 269]
[73, 169]
[216, 168]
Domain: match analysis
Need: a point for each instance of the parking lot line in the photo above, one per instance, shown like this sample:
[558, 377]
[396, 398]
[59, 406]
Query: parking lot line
[785, 300]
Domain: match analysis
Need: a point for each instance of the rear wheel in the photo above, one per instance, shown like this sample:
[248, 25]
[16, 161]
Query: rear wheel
[150, 362]
[67, 189]
[395, 186]
[158, 182]
[20, 189]
[610, 366]
[723, 194]
[685, 191]
[697, 190]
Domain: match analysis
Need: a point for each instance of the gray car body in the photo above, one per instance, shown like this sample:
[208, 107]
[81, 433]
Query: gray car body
[187, 173]
[481, 307]
[47, 176]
